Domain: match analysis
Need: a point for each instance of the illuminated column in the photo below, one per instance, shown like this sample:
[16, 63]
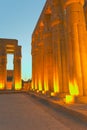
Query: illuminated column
[41, 74]
[48, 54]
[35, 61]
[17, 68]
[56, 62]
[36, 68]
[63, 52]
[33, 77]
[77, 45]
[2, 67]
[48, 63]
[64, 88]
[59, 49]
[57, 67]
[33, 70]
[2, 72]
[40, 57]
[33, 64]
[57, 70]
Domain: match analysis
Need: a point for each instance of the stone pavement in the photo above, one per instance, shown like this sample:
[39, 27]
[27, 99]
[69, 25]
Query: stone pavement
[19, 112]
[78, 110]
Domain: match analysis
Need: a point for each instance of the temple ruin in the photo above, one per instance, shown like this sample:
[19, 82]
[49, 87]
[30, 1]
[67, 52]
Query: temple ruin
[10, 78]
[59, 52]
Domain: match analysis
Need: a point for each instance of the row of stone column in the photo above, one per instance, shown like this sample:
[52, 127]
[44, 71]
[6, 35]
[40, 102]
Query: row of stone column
[59, 49]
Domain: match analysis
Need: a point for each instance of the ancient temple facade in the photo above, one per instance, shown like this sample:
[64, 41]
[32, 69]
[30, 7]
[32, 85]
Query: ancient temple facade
[59, 52]
[10, 46]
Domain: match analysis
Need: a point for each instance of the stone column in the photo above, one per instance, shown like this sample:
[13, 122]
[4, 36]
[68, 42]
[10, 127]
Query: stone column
[56, 59]
[17, 68]
[77, 44]
[35, 67]
[34, 73]
[59, 48]
[48, 53]
[48, 62]
[3, 63]
[57, 70]
[33, 64]
[40, 66]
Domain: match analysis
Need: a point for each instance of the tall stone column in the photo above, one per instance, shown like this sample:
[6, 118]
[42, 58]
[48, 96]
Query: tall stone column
[56, 60]
[17, 68]
[59, 48]
[57, 68]
[36, 68]
[35, 62]
[3, 71]
[48, 62]
[33, 71]
[63, 50]
[40, 57]
[48, 53]
[77, 48]
[40, 67]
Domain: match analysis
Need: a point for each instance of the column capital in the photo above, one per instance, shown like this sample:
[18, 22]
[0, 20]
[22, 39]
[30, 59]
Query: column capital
[68, 2]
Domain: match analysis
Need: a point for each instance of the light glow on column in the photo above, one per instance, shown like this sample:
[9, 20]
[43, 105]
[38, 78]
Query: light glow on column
[56, 86]
[69, 99]
[40, 85]
[1, 86]
[73, 88]
[18, 86]
[46, 86]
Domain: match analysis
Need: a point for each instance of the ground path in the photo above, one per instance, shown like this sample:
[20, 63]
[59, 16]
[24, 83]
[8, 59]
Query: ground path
[22, 112]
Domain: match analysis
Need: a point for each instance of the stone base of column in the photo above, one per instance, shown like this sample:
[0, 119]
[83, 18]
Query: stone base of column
[62, 95]
[81, 99]
[54, 94]
[48, 93]
[43, 92]
[51, 94]
[39, 91]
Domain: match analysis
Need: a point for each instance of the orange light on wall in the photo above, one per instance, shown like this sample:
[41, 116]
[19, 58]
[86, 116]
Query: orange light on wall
[43, 92]
[32, 85]
[56, 87]
[69, 99]
[53, 94]
[36, 84]
[37, 91]
[40, 85]
[46, 86]
[1, 86]
[9, 86]
[73, 88]
[74, 91]
[18, 86]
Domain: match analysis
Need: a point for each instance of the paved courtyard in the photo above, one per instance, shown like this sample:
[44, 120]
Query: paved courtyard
[19, 112]
[22, 112]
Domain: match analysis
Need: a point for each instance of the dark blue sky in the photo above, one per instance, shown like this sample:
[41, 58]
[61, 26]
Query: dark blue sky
[17, 21]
